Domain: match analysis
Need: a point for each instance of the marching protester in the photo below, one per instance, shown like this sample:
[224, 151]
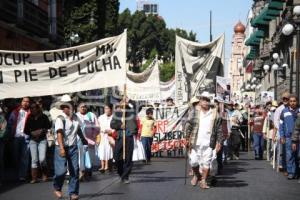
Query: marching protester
[296, 143]
[170, 102]
[148, 126]
[221, 155]
[124, 121]
[3, 124]
[37, 127]
[67, 128]
[90, 129]
[15, 128]
[281, 155]
[257, 124]
[286, 128]
[244, 126]
[234, 141]
[204, 133]
[268, 127]
[105, 141]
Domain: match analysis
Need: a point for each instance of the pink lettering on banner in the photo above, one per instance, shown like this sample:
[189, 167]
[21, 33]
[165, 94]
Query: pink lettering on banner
[161, 126]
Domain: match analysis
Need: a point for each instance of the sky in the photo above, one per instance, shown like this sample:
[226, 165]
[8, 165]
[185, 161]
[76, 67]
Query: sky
[194, 15]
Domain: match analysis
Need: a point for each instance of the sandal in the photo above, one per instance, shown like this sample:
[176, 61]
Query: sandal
[194, 181]
[203, 184]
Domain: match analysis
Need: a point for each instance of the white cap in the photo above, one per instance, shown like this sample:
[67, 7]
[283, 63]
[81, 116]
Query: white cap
[206, 95]
[66, 98]
[1, 111]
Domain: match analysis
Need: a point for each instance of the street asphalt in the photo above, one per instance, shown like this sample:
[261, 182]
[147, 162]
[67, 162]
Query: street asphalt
[164, 179]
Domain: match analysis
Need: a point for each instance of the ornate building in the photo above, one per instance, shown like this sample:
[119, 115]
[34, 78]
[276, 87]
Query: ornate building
[273, 45]
[236, 70]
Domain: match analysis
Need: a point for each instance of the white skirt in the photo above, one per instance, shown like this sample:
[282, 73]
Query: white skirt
[104, 150]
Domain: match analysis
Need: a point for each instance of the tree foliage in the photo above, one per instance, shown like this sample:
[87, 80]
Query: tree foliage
[148, 36]
[91, 19]
[148, 33]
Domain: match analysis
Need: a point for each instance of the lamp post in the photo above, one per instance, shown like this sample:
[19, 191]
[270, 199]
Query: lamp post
[287, 30]
[74, 37]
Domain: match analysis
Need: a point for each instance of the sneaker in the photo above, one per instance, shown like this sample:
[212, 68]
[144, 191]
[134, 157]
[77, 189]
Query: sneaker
[236, 157]
[290, 177]
[22, 179]
[126, 181]
[74, 197]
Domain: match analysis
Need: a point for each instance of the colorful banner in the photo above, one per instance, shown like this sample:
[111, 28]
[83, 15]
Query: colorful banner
[95, 65]
[169, 122]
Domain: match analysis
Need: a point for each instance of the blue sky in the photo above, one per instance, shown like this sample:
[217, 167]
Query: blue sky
[194, 15]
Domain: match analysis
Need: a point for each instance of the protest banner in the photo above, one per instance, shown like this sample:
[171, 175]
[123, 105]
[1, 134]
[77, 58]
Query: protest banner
[194, 62]
[95, 65]
[223, 88]
[169, 133]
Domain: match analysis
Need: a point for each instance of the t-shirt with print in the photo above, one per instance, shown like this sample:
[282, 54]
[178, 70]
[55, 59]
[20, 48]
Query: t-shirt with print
[21, 124]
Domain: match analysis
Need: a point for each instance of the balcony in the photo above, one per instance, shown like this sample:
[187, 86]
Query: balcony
[28, 17]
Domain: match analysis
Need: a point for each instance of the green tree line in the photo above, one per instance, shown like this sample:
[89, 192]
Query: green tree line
[148, 36]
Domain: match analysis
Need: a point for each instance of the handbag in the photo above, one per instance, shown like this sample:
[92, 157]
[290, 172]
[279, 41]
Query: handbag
[50, 138]
[138, 151]
[87, 160]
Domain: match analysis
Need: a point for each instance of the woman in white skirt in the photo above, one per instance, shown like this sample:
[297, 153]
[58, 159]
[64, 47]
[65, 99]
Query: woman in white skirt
[105, 150]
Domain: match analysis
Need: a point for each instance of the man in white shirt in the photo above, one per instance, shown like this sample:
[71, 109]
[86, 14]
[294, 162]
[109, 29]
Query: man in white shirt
[15, 128]
[280, 147]
[67, 128]
[204, 133]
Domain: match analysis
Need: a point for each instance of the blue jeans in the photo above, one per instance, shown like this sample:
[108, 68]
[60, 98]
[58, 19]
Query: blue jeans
[291, 158]
[21, 155]
[258, 141]
[1, 159]
[38, 153]
[147, 143]
[60, 168]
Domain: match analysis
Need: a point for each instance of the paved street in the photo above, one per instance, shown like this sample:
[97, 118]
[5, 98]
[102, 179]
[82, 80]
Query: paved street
[164, 179]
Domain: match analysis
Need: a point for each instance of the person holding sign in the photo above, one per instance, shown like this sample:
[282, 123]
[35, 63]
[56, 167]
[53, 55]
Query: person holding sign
[148, 126]
[67, 128]
[129, 125]
[204, 134]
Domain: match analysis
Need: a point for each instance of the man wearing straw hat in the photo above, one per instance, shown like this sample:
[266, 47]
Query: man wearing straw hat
[67, 129]
[204, 133]
[124, 121]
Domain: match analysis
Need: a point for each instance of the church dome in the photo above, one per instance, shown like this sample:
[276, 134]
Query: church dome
[239, 28]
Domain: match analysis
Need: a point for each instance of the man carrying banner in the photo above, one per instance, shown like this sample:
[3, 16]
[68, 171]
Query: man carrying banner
[130, 127]
[204, 133]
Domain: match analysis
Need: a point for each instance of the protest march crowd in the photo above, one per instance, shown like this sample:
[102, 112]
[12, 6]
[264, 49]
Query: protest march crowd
[62, 142]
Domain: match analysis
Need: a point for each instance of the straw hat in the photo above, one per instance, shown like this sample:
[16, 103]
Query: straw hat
[194, 100]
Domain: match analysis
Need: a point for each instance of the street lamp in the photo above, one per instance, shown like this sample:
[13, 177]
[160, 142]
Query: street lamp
[74, 37]
[266, 67]
[287, 30]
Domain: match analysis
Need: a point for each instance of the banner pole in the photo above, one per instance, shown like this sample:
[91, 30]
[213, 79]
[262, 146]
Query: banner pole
[249, 130]
[124, 122]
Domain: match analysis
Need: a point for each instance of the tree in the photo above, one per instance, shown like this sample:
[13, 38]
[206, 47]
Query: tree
[91, 19]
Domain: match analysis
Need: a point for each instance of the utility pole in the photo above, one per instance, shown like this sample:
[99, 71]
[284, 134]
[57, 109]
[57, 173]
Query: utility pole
[210, 26]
